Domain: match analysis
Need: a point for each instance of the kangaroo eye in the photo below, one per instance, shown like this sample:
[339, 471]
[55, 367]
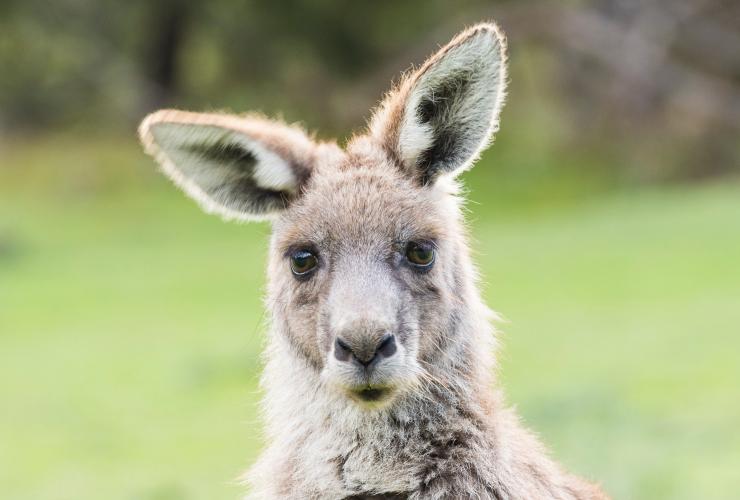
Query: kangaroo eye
[302, 262]
[420, 255]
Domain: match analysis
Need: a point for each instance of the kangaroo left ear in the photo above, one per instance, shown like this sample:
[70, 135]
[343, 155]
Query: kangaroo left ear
[443, 115]
[240, 167]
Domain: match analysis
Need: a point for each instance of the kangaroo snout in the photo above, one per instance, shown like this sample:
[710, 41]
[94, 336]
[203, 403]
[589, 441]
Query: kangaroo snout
[365, 350]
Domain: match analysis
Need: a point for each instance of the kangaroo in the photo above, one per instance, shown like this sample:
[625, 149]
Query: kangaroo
[378, 378]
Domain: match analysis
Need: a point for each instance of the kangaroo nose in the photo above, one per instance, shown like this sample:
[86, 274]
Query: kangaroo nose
[367, 352]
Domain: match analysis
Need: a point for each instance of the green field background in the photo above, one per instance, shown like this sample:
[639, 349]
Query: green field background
[131, 326]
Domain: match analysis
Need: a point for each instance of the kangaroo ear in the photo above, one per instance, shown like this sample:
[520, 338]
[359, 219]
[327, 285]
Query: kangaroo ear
[444, 114]
[242, 168]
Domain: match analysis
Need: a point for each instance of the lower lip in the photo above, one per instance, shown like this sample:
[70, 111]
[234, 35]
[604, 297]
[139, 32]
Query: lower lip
[371, 395]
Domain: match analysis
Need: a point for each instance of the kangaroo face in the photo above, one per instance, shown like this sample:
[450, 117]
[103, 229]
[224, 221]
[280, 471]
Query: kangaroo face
[363, 268]
[364, 271]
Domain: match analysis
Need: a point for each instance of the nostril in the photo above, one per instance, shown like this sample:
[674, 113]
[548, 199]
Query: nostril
[365, 353]
[342, 351]
[387, 346]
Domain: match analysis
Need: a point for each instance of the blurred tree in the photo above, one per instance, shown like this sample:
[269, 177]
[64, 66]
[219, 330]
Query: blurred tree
[166, 34]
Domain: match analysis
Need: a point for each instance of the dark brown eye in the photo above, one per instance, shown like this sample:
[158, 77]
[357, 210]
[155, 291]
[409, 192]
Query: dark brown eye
[302, 262]
[420, 255]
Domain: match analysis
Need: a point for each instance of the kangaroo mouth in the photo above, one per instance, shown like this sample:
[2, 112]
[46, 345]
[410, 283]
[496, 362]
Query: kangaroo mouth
[370, 394]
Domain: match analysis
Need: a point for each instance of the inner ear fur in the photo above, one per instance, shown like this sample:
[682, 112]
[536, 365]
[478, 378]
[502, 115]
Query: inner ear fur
[441, 116]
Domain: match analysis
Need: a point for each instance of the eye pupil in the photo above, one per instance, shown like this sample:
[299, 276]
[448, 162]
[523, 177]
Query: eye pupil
[302, 262]
[420, 255]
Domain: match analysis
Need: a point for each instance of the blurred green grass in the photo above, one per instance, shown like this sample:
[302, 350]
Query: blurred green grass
[131, 326]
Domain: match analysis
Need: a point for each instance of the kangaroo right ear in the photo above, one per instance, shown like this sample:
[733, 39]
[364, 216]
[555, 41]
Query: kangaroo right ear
[242, 168]
[444, 114]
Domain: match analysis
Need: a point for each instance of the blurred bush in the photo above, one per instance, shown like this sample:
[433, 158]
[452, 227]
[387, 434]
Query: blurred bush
[652, 88]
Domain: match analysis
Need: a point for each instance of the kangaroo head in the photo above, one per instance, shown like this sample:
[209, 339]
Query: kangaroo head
[368, 264]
